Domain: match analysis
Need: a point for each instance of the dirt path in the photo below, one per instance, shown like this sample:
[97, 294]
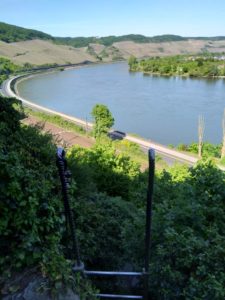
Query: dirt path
[62, 137]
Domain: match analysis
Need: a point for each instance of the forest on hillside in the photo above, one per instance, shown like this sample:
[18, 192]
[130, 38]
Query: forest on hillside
[11, 33]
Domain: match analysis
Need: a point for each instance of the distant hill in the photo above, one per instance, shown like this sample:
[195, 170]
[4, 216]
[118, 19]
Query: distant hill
[11, 33]
[37, 48]
[213, 38]
[109, 40]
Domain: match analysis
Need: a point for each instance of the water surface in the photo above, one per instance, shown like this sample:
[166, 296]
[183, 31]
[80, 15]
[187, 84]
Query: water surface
[162, 109]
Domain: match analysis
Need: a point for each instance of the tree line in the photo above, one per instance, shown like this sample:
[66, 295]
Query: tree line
[180, 65]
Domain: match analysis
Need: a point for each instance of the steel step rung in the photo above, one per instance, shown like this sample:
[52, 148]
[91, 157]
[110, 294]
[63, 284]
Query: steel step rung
[111, 296]
[113, 273]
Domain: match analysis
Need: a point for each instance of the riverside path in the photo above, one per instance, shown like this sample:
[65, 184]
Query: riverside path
[164, 151]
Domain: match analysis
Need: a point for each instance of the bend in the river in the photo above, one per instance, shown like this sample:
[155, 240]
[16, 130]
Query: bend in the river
[162, 109]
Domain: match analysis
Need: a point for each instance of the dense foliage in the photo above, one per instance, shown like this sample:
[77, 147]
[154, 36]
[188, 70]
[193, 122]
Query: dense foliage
[108, 199]
[10, 33]
[7, 68]
[31, 221]
[188, 253]
[208, 150]
[195, 66]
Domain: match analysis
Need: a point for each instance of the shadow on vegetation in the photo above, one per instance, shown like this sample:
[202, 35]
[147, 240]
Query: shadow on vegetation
[108, 194]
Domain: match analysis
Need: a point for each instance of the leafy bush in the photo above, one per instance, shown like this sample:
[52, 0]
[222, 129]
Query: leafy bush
[30, 202]
[101, 167]
[6, 68]
[208, 149]
[108, 200]
[101, 221]
[188, 228]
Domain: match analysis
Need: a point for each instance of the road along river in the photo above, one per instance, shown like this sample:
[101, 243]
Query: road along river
[162, 109]
[145, 144]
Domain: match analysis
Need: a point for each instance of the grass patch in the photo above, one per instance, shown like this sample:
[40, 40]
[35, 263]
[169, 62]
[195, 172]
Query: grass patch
[57, 120]
[135, 152]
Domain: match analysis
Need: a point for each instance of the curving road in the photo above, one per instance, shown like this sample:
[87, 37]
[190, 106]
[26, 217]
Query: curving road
[170, 155]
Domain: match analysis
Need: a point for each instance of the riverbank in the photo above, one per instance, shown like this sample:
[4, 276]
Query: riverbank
[197, 66]
[59, 68]
[177, 75]
[9, 89]
[164, 151]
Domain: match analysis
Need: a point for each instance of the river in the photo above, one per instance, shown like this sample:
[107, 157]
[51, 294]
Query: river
[162, 109]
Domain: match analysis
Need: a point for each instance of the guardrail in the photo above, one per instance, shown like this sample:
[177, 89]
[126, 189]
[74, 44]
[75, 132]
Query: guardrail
[79, 266]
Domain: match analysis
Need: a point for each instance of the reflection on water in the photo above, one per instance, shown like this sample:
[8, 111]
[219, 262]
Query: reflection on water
[164, 109]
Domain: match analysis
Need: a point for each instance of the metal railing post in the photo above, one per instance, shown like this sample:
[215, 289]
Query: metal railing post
[79, 266]
[151, 158]
[64, 178]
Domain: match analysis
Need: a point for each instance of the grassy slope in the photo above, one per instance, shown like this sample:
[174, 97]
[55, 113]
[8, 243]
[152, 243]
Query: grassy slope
[40, 52]
[30, 46]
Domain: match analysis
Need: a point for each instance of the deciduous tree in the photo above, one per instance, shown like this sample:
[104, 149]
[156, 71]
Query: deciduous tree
[103, 120]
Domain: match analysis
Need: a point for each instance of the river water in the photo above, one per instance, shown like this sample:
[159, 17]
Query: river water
[162, 109]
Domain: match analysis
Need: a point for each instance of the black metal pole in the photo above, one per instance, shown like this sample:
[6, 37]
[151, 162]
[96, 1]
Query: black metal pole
[151, 158]
[63, 172]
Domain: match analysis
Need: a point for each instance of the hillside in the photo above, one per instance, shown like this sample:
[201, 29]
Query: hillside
[40, 52]
[10, 33]
[34, 47]
[110, 40]
[107, 194]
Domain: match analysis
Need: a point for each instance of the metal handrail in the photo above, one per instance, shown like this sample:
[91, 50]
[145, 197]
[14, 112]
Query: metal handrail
[118, 296]
[79, 266]
[112, 273]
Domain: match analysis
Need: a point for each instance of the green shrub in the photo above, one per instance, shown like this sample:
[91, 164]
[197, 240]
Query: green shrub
[188, 228]
[182, 147]
[208, 150]
[30, 203]
[108, 200]
[109, 172]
